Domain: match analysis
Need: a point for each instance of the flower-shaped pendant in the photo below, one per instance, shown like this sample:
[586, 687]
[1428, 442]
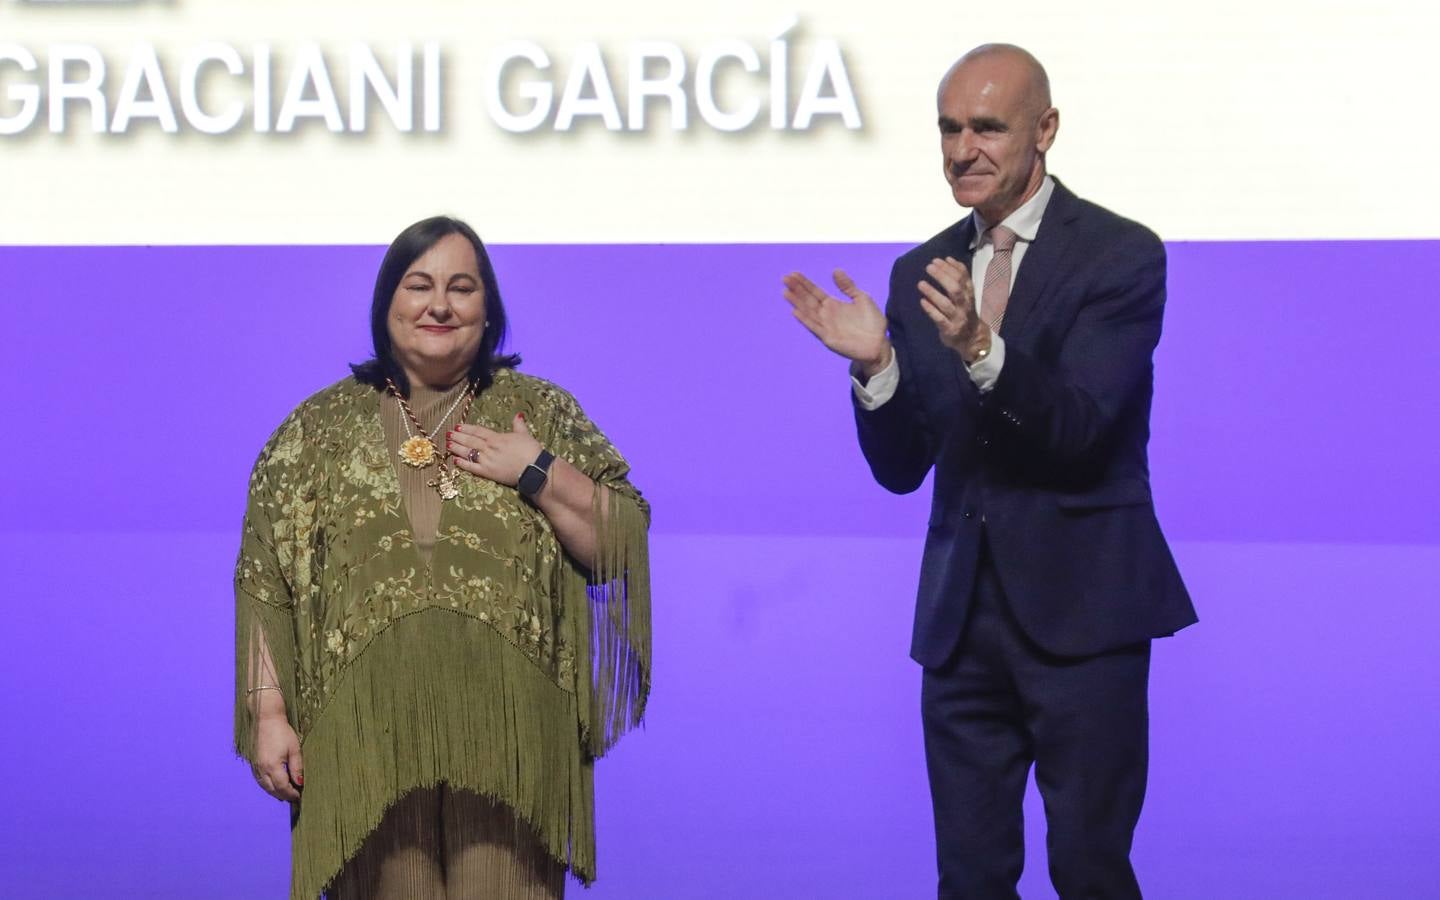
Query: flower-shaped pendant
[417, 452]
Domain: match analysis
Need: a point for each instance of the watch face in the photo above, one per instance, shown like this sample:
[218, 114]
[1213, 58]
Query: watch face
[531, 480]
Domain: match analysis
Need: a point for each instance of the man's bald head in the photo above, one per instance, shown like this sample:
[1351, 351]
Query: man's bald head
[1019, 67]
[996, 125]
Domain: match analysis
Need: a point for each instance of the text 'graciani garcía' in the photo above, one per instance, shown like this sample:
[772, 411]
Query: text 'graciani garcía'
[217, 88]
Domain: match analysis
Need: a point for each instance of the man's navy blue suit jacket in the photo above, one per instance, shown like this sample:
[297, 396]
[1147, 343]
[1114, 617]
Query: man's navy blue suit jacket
[1052, 461]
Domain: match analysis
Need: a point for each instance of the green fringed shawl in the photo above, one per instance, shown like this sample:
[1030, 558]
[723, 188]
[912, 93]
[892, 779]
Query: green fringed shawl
[503, 667]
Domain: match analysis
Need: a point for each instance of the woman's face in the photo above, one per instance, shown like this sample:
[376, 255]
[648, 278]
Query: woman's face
[438, 313]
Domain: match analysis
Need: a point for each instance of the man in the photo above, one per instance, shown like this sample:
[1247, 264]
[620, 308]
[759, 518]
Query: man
[1018, 366]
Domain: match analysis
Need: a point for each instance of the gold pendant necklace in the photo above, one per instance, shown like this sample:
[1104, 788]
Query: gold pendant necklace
[419, 450]
[444, 484]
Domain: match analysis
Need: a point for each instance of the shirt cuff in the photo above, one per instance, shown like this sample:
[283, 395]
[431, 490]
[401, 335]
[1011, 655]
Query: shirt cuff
[986, 372]
[876, 392]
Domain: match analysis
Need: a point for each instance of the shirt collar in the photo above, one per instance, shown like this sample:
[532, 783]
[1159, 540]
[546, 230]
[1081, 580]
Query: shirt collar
[1025, 221]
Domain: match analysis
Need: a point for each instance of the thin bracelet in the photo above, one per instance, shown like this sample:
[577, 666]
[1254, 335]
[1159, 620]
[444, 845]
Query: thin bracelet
[262, 687]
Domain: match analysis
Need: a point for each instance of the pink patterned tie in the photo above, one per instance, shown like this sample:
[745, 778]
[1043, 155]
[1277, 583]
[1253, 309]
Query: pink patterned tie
[996, 291]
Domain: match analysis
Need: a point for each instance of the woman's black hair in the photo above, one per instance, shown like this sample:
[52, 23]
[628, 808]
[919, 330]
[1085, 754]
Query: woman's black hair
[410, 245]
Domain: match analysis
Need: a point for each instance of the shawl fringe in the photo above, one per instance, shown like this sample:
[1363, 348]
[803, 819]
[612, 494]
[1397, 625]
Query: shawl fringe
[260, 624]
[500, 728]
[618, 613]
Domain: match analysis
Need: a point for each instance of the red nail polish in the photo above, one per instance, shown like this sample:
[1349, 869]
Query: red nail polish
[522, 415]
[300, 780]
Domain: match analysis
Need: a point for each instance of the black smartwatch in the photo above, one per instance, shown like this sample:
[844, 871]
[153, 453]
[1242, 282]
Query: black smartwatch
[535, 475]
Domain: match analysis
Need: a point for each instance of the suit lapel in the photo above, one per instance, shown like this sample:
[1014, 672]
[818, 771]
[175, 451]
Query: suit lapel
[1042, 259]
[958, 240]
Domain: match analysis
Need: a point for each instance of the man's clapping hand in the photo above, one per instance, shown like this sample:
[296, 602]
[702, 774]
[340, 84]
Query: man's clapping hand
[855, 330]
[951, 306]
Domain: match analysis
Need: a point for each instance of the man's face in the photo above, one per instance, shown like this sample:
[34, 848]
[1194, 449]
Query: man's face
[993, 133]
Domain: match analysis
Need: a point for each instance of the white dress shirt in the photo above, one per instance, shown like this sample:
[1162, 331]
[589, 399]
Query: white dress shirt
[1025, 222]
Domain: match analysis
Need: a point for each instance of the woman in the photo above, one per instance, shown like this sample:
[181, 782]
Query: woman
[442, 604]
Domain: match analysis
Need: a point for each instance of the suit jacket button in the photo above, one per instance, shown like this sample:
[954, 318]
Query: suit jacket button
[969, 514]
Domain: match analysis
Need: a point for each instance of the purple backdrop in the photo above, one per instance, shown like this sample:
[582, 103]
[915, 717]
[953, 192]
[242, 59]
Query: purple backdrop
[1294, 471]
